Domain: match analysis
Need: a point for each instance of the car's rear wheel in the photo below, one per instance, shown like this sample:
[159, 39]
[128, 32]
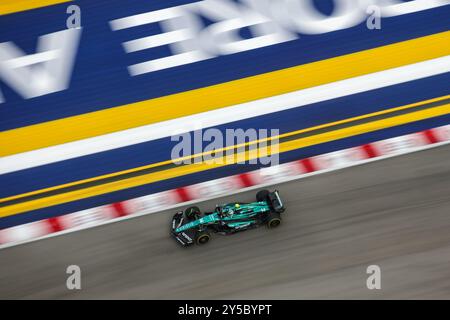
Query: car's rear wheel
[262, 195]
[274, 220]
[192, 212]
[202, 237]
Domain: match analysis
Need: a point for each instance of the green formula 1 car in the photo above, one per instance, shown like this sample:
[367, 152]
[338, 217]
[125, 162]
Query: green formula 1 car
[193, 226]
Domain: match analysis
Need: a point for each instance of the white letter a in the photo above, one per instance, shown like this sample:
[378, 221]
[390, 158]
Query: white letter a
[46, 71]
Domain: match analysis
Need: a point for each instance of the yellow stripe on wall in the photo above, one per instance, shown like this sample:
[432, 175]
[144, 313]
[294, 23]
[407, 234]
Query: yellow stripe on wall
[11, 6]
[284, 135]
[189, 169]
[222, 95]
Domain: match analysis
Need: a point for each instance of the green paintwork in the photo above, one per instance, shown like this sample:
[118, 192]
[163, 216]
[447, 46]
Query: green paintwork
[233, 216]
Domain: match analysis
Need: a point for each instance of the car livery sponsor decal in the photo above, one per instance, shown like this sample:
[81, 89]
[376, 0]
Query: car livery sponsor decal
[92, 90]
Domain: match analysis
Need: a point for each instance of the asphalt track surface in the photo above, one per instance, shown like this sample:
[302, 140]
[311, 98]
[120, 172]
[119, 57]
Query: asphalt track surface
[394, 213]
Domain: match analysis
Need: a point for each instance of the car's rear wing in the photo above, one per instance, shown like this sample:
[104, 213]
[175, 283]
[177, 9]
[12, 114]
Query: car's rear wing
[275, 201]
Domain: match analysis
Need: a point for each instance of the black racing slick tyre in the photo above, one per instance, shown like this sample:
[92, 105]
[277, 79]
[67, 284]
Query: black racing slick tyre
[262, 195]
[273, 220]
[192, 212]
[202, 237]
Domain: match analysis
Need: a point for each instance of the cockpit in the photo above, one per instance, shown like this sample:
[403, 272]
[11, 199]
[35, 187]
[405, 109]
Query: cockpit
[228, 210]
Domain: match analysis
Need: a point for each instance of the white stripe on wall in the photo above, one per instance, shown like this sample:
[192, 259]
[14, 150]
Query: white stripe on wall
[225, 115]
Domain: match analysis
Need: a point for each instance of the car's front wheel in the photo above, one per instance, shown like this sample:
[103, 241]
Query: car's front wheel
[274, 220]
[202, 237]
[192, 213]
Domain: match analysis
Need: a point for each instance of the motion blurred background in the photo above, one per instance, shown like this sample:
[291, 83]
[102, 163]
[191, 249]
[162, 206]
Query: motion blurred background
[93, 92]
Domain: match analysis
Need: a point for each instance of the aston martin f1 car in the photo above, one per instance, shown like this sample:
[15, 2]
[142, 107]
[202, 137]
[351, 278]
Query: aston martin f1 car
[193, 226]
